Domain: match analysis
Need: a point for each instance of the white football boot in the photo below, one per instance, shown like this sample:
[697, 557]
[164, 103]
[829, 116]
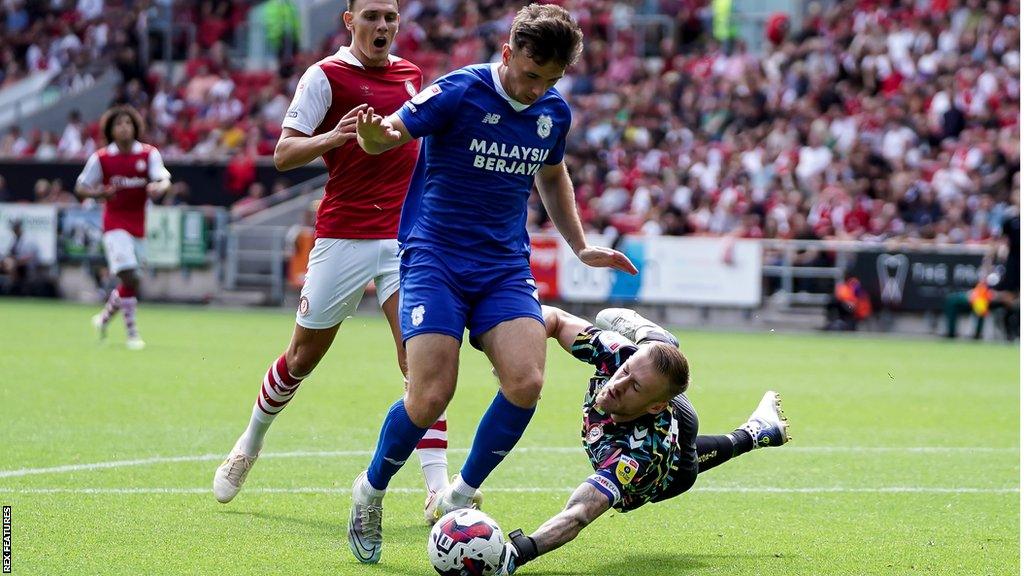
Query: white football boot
[101, 328]
[230, 475]
[768, 424]
[432, 512]
[364, 523]
[632, 325]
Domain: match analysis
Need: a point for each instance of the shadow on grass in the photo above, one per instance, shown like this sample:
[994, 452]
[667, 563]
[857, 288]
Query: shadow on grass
[326, 526]
[665, 563]
[337, 526]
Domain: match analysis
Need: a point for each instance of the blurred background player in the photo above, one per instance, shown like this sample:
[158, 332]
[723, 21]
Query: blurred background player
[125, 175]
[998, 287]
[18, 266]
[489, 130]
[356, 223]
[639, 428]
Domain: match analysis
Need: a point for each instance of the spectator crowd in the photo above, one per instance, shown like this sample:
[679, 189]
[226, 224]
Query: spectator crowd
[870, 119]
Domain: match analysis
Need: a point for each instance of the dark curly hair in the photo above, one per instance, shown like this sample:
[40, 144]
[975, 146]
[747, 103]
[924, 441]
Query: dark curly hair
[110, 117]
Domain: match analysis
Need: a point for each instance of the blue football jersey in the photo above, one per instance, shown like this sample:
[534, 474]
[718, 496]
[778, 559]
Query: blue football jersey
[479, 155]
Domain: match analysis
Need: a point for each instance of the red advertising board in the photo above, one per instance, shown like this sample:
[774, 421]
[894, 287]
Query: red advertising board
[544, 264]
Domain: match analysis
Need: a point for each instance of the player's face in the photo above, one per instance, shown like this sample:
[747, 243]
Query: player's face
[636, 388]
[124, 130]
[525, 80]
[373, 24]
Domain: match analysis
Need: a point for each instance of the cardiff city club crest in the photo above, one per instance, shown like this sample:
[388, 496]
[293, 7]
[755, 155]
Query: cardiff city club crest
[410, 88]
[544, 126]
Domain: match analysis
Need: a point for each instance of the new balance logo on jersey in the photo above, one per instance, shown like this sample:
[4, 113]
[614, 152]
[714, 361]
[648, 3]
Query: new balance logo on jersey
[490, 118]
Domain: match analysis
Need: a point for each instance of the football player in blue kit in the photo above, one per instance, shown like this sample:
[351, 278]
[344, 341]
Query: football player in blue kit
[639, 428]
[490, 132]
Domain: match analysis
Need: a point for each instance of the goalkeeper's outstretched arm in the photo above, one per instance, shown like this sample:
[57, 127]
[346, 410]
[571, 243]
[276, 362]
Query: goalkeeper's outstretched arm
[583, 507]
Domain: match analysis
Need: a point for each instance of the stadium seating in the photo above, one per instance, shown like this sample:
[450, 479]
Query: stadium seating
[870, 120]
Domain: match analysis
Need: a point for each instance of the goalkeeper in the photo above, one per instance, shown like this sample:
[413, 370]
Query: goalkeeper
[639, 429]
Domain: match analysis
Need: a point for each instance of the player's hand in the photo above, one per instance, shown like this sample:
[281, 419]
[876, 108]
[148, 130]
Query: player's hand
[157, 188]
[108, 190]
[346, 128]
[600, 257]
[374, 129]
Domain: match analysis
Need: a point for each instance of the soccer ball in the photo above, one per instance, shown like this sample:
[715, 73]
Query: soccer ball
[466, 542]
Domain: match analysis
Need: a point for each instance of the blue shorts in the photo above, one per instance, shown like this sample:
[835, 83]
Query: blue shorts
[445, 294]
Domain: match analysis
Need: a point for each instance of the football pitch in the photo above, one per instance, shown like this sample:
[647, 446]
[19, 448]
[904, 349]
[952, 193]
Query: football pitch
[904, 460]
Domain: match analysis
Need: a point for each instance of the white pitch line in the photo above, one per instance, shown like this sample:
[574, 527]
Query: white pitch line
[525, 449]
[532, 490]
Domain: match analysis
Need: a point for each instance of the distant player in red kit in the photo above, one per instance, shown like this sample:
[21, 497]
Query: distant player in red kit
[125, 174]
[356, 225]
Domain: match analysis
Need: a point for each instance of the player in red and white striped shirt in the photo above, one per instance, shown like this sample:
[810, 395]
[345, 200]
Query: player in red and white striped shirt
[356, 225]
[125, 174]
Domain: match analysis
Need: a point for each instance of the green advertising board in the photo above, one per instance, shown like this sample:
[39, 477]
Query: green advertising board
[163, 237]
[193, 238]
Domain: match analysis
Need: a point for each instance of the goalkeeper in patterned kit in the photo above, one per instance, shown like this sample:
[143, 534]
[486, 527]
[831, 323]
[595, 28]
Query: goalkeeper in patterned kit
[639, 429]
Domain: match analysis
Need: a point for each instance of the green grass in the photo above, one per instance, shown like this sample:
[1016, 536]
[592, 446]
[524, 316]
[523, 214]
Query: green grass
[904, 460]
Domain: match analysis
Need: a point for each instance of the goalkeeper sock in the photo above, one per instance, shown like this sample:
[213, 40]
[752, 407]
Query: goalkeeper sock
[715, 450]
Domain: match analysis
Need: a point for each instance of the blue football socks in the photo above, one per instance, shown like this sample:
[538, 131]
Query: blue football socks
[398, 438]
[499, 430]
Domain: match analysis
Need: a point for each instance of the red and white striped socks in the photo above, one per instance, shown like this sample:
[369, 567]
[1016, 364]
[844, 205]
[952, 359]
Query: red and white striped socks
[128, 304]
[123, 299]
[433, 453]
[112, 307]
[277, 390]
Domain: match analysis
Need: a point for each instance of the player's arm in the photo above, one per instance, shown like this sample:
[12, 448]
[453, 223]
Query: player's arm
[559, 199]
[159, 177]
[90, 182]
[584, 506]
[98, 191]
[295, 149]
[563, 326]
[377, 134]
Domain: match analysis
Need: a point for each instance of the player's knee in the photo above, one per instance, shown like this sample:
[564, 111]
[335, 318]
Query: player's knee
[425, 406]
[523, 390]
[130, 279]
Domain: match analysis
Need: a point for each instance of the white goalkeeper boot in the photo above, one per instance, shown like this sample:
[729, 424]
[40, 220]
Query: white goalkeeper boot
[768, 424]
[632, 326]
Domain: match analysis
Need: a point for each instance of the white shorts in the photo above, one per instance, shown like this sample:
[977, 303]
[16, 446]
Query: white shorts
[337, 275]
[123, 251]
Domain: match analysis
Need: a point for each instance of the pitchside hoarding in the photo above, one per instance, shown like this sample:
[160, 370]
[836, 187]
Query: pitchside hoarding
[39, 225]
[915, 281]
[672, 270]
